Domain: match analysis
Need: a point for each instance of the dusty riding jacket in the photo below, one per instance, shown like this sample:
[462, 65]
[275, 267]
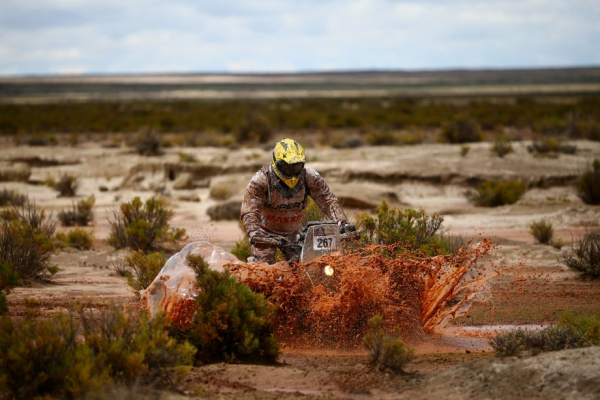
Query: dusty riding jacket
[272, 206]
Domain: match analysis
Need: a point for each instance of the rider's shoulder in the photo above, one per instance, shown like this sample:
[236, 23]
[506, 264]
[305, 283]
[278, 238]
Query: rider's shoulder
[312, 174]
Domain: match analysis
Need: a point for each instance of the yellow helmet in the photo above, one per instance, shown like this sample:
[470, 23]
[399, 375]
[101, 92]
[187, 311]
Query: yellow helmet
[288, 161]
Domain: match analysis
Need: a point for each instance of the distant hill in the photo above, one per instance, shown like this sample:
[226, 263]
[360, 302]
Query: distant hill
[489, 82]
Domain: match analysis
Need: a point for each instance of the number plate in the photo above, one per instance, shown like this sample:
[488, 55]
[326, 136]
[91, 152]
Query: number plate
[324, 243]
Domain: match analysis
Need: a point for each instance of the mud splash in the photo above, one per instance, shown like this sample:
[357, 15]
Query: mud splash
[329, 300]
[413, 294]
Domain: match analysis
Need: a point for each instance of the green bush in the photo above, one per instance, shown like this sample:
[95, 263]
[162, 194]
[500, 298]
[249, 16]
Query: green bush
[26, 241]
[74, 355]
[585, 259]
[499, 193]
[551, 146]
[231, 322]
[67, 185]
[542, 231]
[501, 148]
[464, 150]
[414, 230]
[241, 249]
[386, 352]
[76, 238]
[8, 280]
[141, 226]
[148, 143]
[81, 214]
[588, 184]
[571, 332]
[11, 198]
[461, 129]
[145, 268]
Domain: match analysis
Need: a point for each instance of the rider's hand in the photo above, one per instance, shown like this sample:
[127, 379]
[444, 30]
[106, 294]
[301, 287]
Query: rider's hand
[345, 227]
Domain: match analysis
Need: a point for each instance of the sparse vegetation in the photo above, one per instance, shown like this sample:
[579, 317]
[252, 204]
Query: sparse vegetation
[255, 127]
[241, 249]
[145, 268]
[141, 226]
[585, 258]
[551, 146]
[220, 192]
[8, 279]
[231, 322]
[501, 148]
[414, 230]
[571, 332]
[542, 231]
[588, 184]
[464, 150]
[148, 143]
[382, 138]
[187, 158]
[11, 198]
[460, 129]
[76, 238]
[81, 213]
[26, 241]
[79, 354]
[386, 352]
[499, 193]
[67, 185]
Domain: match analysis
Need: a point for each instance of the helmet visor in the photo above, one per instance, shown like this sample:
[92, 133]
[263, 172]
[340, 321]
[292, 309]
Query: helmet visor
[290, 170]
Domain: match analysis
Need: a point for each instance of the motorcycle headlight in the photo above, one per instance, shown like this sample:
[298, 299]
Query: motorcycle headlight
[328, 270]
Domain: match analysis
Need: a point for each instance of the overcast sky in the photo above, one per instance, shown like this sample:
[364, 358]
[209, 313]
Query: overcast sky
[145, 36]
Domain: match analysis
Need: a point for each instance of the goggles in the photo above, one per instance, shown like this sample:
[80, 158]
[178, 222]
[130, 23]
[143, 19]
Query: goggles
[290, 170]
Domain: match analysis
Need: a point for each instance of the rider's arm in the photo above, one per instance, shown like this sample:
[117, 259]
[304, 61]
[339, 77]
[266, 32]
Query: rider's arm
[323, 196]
[254, 198]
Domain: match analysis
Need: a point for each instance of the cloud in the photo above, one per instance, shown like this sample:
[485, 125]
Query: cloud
[46, 36]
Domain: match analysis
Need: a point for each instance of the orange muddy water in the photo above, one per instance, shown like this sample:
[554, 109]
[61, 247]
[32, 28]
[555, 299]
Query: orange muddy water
[413, 294]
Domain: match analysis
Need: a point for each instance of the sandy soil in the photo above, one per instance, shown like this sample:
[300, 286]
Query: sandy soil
[533, 286]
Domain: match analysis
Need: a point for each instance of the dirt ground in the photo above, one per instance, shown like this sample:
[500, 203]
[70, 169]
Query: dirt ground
[532, 288]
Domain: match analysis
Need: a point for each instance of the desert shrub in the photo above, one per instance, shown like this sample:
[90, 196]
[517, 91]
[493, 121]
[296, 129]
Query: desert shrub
[461, 129]
[241, 249]
[11, 198]
[141, 226]
[312, 212]
[145, 268]
[220, 192]
[464, 150]
[66, 185]
[77, 354]
[571, 332]
[254, 127]
[187, 158]
[585, 259]
[81, 213]
[386, 352]
[453, 243]
[148, 143]
[346, 142]
[26, 241]
[76, 238]
[411, 229]
[588, 184]
[501, 148]
[382, 138]
[8, 280]
[499, 193]
[549, 146]
[231, 322]
[542, 231]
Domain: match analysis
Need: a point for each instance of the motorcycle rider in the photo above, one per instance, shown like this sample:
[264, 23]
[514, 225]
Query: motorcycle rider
[276, 197]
